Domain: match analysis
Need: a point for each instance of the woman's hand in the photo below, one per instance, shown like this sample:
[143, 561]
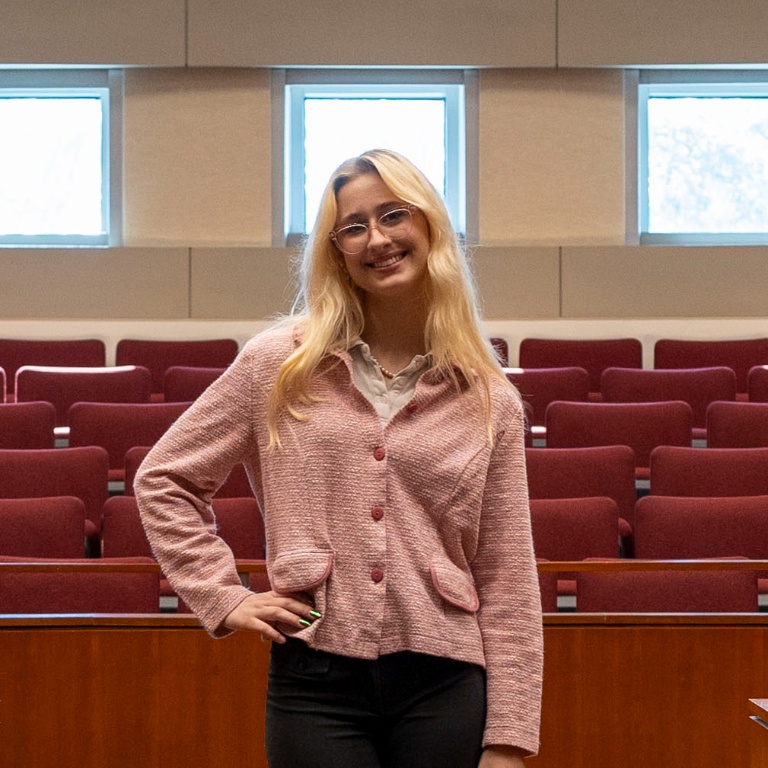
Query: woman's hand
[263, 611]
[501, 756]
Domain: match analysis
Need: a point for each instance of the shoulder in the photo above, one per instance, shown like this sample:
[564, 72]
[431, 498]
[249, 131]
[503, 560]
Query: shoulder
[274, 344]
[505, 400]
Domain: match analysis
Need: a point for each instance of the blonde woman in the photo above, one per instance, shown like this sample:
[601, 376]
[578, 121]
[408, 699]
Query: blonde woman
[385, 448]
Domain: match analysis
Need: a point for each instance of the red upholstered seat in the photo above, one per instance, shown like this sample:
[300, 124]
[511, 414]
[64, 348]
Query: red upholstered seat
[65, 386]
[52, 526]
[757, 384]
[183, 383]
[14, 353]
[737, 425]
[737, 354]
[594, 355]
[158, 355]
[540, 386]
[27, 425]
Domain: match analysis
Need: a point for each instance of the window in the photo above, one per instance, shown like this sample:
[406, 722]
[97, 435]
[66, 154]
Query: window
[57, 185]
[703, 157]
[331, 116]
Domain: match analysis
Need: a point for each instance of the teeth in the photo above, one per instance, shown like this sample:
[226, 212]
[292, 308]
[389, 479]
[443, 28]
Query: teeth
[386, 262]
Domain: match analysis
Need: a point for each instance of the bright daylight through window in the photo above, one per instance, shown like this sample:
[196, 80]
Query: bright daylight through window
[54, 159]
[330, 122]
[704, 162]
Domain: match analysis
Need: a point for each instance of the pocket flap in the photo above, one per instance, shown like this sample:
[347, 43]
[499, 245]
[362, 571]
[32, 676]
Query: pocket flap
[454, 585]
[300, 570]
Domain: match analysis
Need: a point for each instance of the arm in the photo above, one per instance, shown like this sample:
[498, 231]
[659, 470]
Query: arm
[499, 756]
[510, 618]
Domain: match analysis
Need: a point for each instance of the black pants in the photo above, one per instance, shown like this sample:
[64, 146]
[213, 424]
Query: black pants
[403, 710]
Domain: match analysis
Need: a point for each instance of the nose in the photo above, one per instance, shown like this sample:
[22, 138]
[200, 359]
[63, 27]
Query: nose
[376, 236]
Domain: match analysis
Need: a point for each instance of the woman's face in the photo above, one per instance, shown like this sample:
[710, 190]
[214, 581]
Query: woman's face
[388, 266]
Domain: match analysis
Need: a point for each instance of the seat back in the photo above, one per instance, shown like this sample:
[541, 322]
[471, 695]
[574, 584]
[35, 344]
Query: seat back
[667, 592]
[27, 425]
[575, 529]
[14, 353]
[65, 386]
[79, 472]
[566, 473]
[737, 354]
[737, 425]
[712, 472]
[47, 527]
[691, 528]
[236, 485]
[159, 355]
[641, 426]
[501, 347]
[105, 590]
[540, 386]
[183, 383]
[757, 384]
[594, 355]
[696, 386]
[117, 427]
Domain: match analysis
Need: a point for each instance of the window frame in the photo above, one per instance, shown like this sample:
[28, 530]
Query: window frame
[290, 87]
[107, 85]
[685, 83]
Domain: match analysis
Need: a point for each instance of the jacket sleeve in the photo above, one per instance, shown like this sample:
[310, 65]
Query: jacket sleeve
[510, 617]
[176, 482]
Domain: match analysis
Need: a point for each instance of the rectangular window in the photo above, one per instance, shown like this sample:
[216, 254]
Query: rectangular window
[703, 157]
[333, 115]
[58, 187]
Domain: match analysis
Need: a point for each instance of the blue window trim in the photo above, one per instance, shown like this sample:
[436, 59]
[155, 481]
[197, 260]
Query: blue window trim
[743, 83]
[291, 87]
[107, 86]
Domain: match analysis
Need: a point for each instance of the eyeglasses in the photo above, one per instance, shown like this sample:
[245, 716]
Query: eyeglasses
[394, 224]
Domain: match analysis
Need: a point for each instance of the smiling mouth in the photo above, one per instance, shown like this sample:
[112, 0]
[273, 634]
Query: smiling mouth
[388, 262]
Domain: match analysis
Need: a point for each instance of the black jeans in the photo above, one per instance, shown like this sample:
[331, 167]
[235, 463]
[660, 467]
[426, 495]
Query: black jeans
[403, 710]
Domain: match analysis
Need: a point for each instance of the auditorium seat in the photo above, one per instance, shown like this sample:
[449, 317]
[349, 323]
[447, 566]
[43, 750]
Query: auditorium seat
[79, 472]
[696, 386]
[574, 529]
[501, 348]
[3, 386]
[737, 425]
[158, 355]
[236, 485]
[65, 386]
[740, 355]
[709, 472]
[183, 383]
[104, 590]
[27, 425]
[45, 527]
[667, 591]
[117, 427]
[757, 384]
[641, 426]
[565, 473]
[540, 386]
[594, 355]
[14, 353]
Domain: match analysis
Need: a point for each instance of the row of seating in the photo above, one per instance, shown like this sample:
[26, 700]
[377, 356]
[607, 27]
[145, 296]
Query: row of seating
[156, 356]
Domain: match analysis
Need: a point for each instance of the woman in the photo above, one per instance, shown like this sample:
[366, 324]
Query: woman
[385, 448]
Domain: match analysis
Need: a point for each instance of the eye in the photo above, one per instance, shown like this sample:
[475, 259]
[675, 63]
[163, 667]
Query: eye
[394, 217]
[353, 230]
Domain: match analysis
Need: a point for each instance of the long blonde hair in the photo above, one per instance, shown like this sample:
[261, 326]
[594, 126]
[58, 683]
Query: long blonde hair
[329, 307]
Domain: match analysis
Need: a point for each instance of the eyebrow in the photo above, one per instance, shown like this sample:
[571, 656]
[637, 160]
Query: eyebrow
[357, 216]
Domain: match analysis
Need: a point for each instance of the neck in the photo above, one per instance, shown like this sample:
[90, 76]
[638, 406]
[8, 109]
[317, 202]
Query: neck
[395, 332]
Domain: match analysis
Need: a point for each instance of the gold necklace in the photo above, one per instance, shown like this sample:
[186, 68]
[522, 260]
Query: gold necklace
[386, 372]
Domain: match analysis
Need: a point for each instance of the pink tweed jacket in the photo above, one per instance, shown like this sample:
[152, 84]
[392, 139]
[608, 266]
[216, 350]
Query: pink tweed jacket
[415, 536]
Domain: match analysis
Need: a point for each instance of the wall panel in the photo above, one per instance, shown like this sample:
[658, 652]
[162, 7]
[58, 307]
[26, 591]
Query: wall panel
[665, 282]
[615, 33]
[94, 283]
[104, 32]
[497, 33]
[551, 157]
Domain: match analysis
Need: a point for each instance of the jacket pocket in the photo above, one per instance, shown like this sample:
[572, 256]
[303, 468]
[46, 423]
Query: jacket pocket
[454, 585]
[301, 570]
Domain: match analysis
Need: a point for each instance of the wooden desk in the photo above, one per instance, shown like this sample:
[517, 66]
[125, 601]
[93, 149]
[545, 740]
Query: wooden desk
[758, 709]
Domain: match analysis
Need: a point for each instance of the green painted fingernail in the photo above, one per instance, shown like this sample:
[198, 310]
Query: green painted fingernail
[316, 614]
[305, 623]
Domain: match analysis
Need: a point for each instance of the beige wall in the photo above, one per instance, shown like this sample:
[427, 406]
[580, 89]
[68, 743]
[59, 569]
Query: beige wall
[553, 194]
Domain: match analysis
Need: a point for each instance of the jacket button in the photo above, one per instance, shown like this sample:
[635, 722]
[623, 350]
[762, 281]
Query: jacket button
[377, 513]
[377, 575]
[379, 453]
[411, 408]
